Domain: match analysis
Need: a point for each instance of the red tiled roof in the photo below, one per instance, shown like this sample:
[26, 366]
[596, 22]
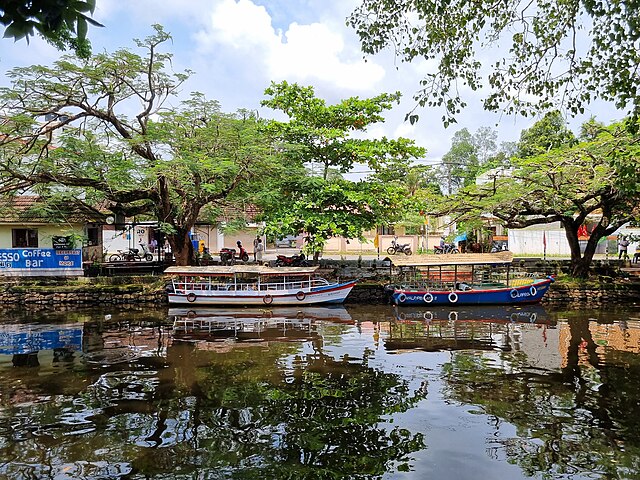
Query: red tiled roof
[29, 208]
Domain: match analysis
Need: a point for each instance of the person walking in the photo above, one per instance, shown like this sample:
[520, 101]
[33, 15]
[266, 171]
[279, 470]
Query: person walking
[623, 244]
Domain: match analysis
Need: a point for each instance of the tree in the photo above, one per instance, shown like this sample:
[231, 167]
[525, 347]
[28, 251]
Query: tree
[338, 208]
[167, 162]
[546, 54]
[62, 23]
[460, 164]
[470, 154]
[324, 207]
[321, 133]
[485, 140]
[599, 178]
[546, 134]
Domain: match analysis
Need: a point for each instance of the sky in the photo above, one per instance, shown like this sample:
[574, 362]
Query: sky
[237, 47]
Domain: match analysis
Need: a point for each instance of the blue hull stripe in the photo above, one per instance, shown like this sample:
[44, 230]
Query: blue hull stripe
[531, 293]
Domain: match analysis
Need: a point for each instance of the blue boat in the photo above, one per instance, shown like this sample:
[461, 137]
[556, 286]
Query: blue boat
[468, 279]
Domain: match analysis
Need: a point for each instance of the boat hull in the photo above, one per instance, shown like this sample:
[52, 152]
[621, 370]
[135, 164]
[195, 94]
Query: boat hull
[323, 295]
[524, 294]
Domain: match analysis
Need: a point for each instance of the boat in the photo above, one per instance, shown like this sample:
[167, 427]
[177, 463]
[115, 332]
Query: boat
[529, 313]
[468, 279]
[253, 285]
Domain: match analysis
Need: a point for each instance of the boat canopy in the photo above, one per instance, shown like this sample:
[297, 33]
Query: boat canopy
[216, 270]
[498, 258]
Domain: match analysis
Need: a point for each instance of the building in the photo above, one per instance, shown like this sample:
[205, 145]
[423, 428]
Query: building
[46, 240]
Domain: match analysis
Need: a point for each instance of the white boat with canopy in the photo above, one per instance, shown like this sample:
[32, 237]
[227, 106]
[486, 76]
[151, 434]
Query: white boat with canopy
[253, 285]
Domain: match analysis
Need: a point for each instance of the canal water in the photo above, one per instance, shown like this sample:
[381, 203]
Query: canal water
[359, 392]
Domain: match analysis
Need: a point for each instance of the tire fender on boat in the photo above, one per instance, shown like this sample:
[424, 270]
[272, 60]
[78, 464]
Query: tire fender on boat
[191, 297]
[453, 297]
[453, 316]
[428, 298]
[533, 291]
[514, 293]
[428, 316]
[300, 296]
[267, 299]
[402, 297]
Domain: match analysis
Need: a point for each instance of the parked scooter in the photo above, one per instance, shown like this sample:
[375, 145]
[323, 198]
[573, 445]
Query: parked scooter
[293, 261]
[228, 256]
[399, 247]
[498, 247]
[132, 255]
[446, 249]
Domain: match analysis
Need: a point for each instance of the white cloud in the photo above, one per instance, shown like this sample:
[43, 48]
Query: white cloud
[236, 47]
[306, 53]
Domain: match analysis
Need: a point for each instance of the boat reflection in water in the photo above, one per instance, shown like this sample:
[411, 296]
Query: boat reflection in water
[244, 324]
[470, 327]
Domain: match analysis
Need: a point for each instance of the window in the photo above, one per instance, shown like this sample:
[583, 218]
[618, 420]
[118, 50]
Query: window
[93, 236]
[24, 238]
[385, 230]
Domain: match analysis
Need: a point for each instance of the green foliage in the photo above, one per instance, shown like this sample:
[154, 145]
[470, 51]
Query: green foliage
[324, 209]
[328, 206]
[320, 133]
[548, 133]
[599, 177]
[63, 23]
[164, 162]
[559, 52]
[470, 155]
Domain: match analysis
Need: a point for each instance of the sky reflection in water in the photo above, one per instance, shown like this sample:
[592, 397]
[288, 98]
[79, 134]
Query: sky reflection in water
[366, 392]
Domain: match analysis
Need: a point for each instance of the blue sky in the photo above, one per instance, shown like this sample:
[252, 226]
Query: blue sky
[236, 47]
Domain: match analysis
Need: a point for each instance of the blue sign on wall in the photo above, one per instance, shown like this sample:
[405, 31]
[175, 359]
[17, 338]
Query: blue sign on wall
[40, 259]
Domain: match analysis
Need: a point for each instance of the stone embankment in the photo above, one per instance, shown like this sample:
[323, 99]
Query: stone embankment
[62, 292]
[593, 294]
[370, 290]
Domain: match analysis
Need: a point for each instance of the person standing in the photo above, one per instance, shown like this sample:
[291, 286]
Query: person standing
[623, 244]
[258, 251]
[255, 248]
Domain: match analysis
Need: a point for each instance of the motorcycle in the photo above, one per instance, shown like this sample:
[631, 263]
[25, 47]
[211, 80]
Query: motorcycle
[498, 247]
[228, 256]
[399, 248]
[293, 261]
[447, 249]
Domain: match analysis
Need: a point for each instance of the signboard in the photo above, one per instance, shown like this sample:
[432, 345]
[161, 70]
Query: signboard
[40, 262]
[61, 243]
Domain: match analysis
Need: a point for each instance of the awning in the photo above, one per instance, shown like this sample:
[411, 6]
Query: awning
[234, 269]
[460, 238]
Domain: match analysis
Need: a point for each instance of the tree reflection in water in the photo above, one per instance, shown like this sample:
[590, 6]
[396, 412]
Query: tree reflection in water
[254, 411]
[325, 399]
[581, 420]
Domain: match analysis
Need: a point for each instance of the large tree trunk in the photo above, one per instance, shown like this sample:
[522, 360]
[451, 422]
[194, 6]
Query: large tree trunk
[182, 247]
[581, 262]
